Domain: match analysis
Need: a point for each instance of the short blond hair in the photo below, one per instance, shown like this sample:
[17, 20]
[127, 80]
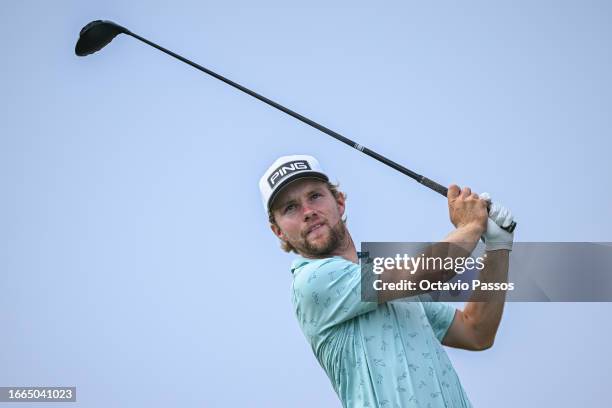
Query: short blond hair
[336, 193]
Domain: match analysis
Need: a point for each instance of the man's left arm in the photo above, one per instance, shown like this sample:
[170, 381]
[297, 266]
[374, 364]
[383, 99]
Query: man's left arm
[475, 327]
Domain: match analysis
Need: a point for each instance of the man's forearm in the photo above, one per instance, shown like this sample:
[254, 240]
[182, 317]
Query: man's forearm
[485, 308]
[465, 238]
[459, 243]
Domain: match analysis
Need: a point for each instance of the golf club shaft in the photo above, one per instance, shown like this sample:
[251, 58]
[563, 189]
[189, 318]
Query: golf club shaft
[421, 179]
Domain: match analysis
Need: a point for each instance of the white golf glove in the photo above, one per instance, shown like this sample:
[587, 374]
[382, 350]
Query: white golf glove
[499, 216]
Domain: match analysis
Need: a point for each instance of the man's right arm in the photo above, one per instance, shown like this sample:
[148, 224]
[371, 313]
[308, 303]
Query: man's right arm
[459, 243]
[468, 213]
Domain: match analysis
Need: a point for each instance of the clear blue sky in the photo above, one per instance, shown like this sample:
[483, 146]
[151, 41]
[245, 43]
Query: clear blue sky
[135, 258]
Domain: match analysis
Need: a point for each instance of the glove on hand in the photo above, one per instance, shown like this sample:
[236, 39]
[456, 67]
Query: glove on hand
[499, 216]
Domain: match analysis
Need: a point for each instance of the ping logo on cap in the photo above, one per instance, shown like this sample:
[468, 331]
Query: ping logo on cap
[286, 169]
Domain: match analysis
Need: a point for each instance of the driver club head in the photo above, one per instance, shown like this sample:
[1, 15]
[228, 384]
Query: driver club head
[96, 35]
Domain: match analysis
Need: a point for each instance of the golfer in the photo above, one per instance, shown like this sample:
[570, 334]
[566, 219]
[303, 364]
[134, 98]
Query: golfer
[387, 353]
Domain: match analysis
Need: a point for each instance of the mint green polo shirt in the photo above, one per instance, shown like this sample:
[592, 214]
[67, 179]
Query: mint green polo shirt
[387, 355]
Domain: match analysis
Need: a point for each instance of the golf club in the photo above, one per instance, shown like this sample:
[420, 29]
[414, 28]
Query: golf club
[97, 34]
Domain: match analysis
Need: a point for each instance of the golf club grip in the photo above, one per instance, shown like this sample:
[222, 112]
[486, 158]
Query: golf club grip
[443, 191]
[434, 186]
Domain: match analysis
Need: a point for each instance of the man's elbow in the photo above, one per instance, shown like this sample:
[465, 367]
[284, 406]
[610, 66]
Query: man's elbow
[484, 343]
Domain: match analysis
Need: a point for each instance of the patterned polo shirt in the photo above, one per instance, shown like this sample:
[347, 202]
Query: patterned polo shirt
[387, 355]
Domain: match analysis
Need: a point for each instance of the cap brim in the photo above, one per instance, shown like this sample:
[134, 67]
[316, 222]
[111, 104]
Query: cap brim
[291, 179]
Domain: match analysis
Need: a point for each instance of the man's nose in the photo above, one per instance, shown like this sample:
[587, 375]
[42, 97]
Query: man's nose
[308, 212]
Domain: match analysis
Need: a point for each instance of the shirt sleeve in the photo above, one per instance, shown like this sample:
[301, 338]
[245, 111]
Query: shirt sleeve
[440, 316]
[328, 292]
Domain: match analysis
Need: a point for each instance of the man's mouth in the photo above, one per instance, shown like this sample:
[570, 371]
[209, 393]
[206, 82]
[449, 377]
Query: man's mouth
[314, 228]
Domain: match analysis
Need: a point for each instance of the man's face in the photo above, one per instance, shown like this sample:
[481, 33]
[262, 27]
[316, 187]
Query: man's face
[309, 217]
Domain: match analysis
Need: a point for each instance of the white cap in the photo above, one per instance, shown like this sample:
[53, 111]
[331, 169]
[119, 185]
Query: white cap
[285, 170]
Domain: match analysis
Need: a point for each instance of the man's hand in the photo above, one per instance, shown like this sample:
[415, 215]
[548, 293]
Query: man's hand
[499, 216]
[467, 209]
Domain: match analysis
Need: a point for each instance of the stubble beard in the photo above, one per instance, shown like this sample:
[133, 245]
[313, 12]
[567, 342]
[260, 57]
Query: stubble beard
[334, 240]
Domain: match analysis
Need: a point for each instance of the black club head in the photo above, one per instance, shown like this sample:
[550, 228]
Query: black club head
[96, 35]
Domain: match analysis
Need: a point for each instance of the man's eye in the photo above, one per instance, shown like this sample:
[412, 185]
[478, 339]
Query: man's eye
[288, 208]
[316, 195]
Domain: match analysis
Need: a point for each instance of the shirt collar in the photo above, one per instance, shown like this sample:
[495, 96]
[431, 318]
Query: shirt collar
[301, 261]
[298, 263]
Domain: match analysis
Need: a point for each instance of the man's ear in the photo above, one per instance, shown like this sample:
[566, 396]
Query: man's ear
[341, 201]
[277, 231]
